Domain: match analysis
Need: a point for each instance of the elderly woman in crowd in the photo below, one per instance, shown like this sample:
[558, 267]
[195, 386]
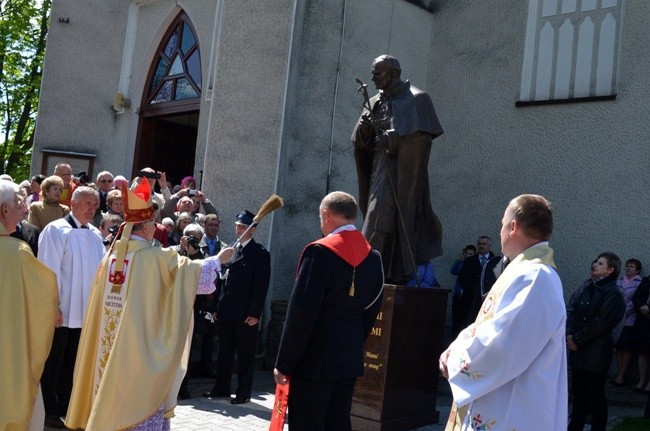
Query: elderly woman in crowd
[49, 208]
[641, 334]
[115, 203]
[627, 284]
[594, 309]
[181, 222]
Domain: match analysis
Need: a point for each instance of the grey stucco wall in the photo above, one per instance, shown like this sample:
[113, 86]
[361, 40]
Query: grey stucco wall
[79, 82]
[589, 159]
[245, 120]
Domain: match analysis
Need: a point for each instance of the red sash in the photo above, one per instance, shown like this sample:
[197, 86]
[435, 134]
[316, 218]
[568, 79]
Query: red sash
[349, 245]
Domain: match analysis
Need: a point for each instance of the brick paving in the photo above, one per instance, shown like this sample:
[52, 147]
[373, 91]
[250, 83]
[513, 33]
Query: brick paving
[199, 414]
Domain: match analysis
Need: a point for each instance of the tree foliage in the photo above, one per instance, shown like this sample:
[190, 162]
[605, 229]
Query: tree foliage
[23, 32]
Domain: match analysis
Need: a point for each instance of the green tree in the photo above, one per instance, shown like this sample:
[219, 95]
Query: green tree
[23, 32]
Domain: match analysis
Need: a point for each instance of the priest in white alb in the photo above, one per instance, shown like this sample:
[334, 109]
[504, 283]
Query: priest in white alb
[508, 370]
[133, 348]
[71, 247]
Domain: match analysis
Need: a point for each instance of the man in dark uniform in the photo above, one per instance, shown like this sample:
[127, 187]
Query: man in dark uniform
[332, 309]
[241, 294]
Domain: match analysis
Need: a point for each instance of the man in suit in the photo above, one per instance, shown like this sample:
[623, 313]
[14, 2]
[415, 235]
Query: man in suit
[26, 231]
[29, 233]
[332, 309]
[241, 294]
[469, 277]
[73, 249]
[104, 185]
[210, 245]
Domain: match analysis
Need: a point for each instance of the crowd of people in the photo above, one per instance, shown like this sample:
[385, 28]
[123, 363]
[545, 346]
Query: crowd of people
[94, 242]
[112, 232]
[607, 314]
[122, 307]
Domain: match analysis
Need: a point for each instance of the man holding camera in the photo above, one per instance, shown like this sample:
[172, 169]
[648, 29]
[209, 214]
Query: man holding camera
[184, 201]
[154, 177]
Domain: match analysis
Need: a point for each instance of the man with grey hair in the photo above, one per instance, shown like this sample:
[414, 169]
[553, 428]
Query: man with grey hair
[71, 247]
[104, 185]
[333, 306]
[28, 309]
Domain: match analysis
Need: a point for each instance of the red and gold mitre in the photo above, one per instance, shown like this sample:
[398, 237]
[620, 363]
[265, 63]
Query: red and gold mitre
[138, 206]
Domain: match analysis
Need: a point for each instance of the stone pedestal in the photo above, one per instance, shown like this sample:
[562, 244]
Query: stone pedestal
[400, 386]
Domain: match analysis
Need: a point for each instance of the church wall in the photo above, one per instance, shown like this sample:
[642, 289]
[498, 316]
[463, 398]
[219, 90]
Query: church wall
[80, 79]
[282, 103]
[335, 41]
[245, 121]
[587, 158]
[590, 159]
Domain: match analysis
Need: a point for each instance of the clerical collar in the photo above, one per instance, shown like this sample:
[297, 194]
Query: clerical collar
[395, 90]
[342, 228]
[76, 221]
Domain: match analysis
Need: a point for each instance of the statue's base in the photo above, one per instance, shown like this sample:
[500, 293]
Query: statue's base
[400, 387]
[405, 423]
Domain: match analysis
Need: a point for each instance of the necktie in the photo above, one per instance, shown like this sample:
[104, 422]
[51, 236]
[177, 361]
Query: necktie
[483, 260]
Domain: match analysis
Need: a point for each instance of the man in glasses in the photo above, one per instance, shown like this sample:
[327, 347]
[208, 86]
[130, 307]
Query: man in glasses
[104, 185]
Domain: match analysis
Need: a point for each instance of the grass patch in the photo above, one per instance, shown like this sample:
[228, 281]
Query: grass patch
[633, 424]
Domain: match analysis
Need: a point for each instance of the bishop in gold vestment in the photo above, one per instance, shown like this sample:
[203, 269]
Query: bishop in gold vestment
[136, 327]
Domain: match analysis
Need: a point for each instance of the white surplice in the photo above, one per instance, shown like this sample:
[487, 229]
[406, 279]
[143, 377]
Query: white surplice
[510, 370]
[74, 255]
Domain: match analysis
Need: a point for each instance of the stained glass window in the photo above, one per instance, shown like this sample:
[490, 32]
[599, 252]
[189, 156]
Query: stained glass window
[177, 71]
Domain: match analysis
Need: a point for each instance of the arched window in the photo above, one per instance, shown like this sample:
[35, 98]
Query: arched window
[176, 69]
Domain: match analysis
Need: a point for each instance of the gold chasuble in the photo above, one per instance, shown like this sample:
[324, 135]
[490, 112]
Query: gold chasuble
[29, 300]
[540, 254]
[133, 338]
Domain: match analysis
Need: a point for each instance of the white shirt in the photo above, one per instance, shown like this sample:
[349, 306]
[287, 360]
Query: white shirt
[74, 255]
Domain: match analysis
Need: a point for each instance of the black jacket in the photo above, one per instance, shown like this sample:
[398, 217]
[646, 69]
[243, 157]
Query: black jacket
[326, 328]
[243, 292]
[593, 311]
[28, 233]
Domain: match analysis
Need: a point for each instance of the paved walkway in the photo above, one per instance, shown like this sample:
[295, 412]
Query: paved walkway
[201, 414]
[198, 413]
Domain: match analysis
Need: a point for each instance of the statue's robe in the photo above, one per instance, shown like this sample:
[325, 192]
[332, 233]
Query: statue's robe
[409, 119]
